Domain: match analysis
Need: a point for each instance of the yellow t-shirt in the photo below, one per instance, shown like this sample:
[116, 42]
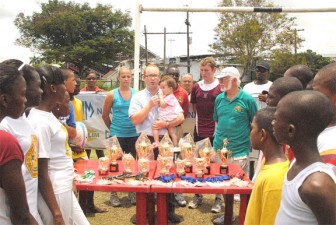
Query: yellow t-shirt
[79, 117]
[266, 194]
[78, 109]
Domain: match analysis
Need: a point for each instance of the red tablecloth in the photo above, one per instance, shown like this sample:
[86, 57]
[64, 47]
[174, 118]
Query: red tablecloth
[141, 190]
[229, 191]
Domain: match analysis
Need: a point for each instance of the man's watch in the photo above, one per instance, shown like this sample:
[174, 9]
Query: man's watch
[167, 124]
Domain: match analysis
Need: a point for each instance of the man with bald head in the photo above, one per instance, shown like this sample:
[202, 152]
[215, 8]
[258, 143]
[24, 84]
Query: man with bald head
[301, 72]
[325, 82]
[308, 193]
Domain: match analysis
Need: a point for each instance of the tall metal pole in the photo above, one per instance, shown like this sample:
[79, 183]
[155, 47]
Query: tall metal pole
[136, 70]
[188, 58]
[146, 45]
[164, 48]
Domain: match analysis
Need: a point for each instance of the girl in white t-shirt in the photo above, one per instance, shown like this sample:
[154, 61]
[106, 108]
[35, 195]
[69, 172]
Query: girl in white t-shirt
[57, 202]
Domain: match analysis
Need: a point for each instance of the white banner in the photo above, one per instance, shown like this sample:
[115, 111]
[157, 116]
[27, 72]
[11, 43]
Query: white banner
[93, 110]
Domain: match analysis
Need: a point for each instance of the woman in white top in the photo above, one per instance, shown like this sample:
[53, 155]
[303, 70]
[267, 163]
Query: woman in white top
[57, 202]
[14, 207]
[26, 136]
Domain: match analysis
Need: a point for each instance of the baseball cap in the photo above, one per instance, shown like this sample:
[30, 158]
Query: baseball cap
[229, 71]
[263, 64]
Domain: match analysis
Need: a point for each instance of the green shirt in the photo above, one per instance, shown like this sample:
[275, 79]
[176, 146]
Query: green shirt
[234, 120]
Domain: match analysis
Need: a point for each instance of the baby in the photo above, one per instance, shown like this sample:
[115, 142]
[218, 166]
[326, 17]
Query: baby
[169, 108]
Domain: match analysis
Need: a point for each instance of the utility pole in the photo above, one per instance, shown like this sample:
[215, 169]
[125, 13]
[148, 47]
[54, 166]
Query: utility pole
[188, 58]
[171, 44]
[295, 43]
[146, 45]
[164, 42]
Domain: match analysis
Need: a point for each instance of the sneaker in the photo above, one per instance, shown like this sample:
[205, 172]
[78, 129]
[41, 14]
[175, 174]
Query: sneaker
[197, 200]
[217, 206]
[219, 220]
[114, 200]
[173, 218]
[180, 200]
[131, 197]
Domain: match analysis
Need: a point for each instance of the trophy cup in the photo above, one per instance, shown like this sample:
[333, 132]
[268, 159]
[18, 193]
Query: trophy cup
[206, 152]
[103, 166]
[114, 155]
[142, 146]
[165, 149]
[164, 164]
[127, 159]
[143, 166]
[224, 155]
[112, 145]
[187, 152]
[180, 165]
[200, 165]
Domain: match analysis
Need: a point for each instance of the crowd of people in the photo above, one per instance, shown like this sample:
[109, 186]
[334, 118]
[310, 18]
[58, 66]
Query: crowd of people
[291, 121]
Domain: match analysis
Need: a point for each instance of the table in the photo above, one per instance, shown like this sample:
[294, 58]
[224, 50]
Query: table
[244, 192]
[141, 190]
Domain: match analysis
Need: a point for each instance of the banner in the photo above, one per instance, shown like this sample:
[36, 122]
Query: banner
[93, 109]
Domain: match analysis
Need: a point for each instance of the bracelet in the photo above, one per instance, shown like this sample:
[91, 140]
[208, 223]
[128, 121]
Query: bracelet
[167, 124]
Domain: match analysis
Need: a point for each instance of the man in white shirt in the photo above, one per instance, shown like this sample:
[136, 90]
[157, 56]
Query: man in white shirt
[259, 87]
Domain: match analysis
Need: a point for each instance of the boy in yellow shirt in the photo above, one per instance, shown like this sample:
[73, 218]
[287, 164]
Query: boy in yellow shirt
[266, 194]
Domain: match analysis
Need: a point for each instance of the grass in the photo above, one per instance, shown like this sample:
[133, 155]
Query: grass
[122, 215]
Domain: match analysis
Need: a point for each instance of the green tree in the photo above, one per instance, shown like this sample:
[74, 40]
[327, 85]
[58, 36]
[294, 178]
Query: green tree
[252, 36]
[76, 33]
[281, 61]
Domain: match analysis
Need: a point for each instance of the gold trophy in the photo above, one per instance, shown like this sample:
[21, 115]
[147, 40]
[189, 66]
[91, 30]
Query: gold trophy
[143, 166]
[187, 147]
[206, 152]
[165, 149]
[127, 159]
[180, 165]
[112, 145]
[224, 155]
[142, 146]
[164, 165]
[187, 152]
[200, 165]
[103, 166]
[115, 152]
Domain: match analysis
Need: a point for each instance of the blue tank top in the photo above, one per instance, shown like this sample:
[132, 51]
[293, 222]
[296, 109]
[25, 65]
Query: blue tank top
[121, 124]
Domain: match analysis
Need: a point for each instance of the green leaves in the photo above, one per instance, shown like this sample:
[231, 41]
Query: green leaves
[76, 33]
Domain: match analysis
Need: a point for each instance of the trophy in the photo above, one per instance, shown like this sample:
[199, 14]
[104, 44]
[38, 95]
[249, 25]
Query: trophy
[166, 146]
[143, 166]
[142, 146]
[103, 166]
[199, 167]
[164, 165]
[180, 165]
[114, 155]
[115, 152]
[224, 155]
[206, 152]
[127, 159]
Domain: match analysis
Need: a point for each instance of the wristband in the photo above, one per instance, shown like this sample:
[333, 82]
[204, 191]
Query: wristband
[167, 124]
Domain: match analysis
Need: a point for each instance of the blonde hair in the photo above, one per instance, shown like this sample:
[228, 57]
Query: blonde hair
[150, 65]
[208, 61]
[123, 68]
